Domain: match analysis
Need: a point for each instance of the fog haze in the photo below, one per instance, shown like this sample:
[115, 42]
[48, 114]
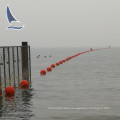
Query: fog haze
[62, 23]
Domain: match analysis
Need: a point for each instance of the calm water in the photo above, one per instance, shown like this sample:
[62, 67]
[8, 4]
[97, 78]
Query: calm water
[89, 80]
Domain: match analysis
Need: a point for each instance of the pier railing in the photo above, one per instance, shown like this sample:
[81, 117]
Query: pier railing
[15, 65]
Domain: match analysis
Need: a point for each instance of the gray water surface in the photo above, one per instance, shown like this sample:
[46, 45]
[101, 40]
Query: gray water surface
[89, 80]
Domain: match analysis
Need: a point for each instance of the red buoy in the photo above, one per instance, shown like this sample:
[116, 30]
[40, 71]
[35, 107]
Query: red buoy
[43, 72]
[63, 60]
[49, 69]
[24, 84]
[57, 64]
[52, 65]
[66, 59]
[10, 91]
[60, 62]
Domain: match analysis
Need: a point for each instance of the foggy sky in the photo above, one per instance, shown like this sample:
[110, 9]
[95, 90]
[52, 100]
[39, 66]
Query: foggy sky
[62, 23]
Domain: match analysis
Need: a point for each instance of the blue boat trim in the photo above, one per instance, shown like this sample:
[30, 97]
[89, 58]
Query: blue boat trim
[13, 27]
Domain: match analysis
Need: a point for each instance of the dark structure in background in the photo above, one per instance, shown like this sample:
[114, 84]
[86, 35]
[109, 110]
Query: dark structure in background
[26, 61]
[15, 65]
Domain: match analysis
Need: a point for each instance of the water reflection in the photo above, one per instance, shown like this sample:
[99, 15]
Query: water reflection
[17, 107]
[0, 105]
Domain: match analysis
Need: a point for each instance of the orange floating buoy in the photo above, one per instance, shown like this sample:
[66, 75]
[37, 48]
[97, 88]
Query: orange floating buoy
[63, 60]
[10, 91]
[49, 69]
[73, 56]
[43, 72]
[60, 62]
[52, 65]
[57, 64]
[24, 84]
[66, 59]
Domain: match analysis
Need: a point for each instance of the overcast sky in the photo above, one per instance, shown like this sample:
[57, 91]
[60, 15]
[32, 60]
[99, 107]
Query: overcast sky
[62, 23]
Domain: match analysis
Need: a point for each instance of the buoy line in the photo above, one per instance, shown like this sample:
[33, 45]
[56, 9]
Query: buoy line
[43, 72]
[24, 84]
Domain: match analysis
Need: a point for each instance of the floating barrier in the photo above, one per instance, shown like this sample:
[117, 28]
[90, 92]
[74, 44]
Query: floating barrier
[68, 58]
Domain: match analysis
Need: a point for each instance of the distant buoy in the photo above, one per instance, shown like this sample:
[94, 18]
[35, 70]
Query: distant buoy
[10, 91]
[57, 64]
[24, 84]
[43, 72]
[63, 60]
[60, 62]
[49, 69]
[68, 58]
[52, 65]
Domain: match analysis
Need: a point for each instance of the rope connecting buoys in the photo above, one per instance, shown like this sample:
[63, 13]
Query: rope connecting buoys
[10, 91]
[43, 72]
[49, 69]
